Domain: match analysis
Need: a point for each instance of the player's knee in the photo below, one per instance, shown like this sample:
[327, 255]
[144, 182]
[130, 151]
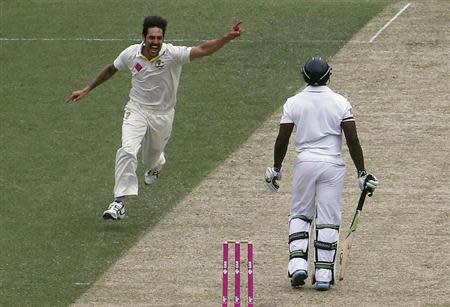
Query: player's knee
[299, 228]
[326, 234]
[127, 152]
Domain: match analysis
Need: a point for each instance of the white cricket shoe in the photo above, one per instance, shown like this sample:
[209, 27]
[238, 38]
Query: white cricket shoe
[115, 211]
[151, 175]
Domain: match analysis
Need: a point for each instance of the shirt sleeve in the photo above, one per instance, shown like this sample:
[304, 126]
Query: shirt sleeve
[121, 61]
[182, 54]
[286, 118]
[348, 113]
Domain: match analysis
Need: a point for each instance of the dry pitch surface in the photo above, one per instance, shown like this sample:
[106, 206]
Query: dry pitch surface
[398, 86]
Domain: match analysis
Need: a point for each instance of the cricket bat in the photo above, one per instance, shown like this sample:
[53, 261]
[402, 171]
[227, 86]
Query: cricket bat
[347, 245]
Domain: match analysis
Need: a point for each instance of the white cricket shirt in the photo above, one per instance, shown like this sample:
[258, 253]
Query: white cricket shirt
[154, 83]
[317, 112]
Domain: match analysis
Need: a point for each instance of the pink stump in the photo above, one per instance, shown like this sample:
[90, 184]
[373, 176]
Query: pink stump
[237, 274]
[225, 275]
[250, 274]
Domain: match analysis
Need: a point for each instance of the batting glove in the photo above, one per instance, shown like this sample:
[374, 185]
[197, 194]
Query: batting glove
[367, 181]
[272, 175]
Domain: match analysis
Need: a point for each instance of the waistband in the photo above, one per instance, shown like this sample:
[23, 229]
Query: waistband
[148, 109]
[308, 156]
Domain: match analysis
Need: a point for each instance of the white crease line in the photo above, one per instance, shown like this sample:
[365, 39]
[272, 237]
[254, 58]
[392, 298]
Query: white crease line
[389, 22]
[63, 39]
[335, 41]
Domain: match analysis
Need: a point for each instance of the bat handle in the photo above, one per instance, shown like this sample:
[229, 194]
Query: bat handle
[369, 177]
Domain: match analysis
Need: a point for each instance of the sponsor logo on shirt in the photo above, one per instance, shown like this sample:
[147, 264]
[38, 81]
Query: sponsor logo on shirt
[126, 114]
[159, 64]
[138, 67]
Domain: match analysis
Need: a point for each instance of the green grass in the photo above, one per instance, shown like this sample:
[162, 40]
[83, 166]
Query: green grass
[57, 160]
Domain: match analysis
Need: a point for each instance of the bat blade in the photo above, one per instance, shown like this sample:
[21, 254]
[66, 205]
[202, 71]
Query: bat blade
[344, 255]
[347, 245]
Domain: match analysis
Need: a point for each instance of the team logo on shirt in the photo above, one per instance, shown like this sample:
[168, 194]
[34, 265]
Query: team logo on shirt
[159, 64]
[138, 67]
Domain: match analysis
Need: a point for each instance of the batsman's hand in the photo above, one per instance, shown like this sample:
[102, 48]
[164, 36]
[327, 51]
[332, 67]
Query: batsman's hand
[367, 181]
[272, 175]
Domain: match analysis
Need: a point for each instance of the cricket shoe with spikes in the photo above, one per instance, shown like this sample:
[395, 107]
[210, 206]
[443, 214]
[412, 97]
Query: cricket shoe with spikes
[151, 175]
[322, 285]
[115, 211]
[298, 278]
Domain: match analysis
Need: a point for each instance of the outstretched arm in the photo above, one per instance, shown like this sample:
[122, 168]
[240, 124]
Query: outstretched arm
[102, 76]
[211, 46]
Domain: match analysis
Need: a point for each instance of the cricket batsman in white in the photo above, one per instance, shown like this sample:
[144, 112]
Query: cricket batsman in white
[155, 68]
[320, 116]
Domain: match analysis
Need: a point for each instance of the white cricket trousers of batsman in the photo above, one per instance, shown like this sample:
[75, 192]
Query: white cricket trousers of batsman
[144, 129]
[316, 193]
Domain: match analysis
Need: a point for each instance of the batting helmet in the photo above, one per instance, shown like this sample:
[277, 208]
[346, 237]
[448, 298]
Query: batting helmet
[316, 71]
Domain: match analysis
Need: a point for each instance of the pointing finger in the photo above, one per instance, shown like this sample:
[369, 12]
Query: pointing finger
[236, 26]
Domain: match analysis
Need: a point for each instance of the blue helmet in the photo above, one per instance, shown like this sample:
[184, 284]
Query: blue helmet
[316, 71]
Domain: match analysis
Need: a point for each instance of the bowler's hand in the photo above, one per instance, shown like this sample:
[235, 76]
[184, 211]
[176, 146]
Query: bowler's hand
[272, 175]
[77, 95]
[235, 30]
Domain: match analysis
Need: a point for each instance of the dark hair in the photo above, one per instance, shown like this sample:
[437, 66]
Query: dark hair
[154, 21]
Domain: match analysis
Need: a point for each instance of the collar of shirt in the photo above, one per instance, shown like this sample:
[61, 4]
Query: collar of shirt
[161, 52]
[317, 89]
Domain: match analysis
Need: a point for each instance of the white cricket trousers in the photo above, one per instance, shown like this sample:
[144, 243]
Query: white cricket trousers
[317, 187]
[316, 194]
[144, 129]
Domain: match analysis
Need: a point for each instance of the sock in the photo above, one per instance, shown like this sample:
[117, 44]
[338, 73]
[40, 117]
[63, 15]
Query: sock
[119, 199]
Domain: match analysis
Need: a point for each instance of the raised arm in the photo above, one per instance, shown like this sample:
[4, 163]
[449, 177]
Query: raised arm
[107, 72]
[211, 46]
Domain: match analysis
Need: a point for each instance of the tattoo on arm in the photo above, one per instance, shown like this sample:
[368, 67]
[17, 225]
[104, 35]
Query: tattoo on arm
[106, 73]
[209, 47]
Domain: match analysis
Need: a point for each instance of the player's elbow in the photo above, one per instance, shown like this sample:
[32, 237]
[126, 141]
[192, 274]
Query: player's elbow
[281, 142]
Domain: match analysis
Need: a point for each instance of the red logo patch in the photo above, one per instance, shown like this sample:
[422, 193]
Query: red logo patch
[138, 67]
